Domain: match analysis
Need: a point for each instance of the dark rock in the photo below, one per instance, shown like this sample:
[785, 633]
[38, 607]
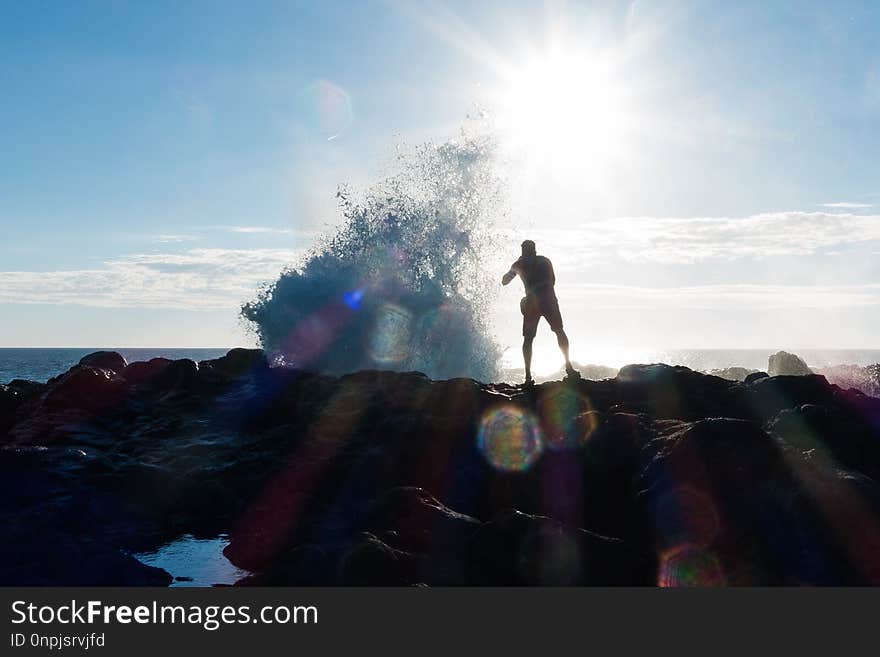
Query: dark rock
[237, 363]
[370, 562]
[105, 360]
[85, 388]
[659, 476]
[145, 371]
[525, 550]
[755, 376]
[734, 373]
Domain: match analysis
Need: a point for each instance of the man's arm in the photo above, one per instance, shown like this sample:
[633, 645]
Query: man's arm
[510, 275]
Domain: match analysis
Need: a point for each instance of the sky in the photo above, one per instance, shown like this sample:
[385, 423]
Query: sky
[702, 174]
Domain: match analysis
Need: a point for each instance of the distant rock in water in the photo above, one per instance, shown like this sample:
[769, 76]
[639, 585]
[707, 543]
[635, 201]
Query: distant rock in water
[659, 476]
[733, 373]
[785, 364]
[591, 372]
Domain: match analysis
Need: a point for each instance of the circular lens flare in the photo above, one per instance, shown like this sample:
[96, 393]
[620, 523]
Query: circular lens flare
[689, 566]
[328, 108]
[566, 419]
[510, 439]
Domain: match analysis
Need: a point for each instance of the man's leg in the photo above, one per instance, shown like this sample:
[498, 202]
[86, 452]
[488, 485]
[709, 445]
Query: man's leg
[562, 341]
[527, 356]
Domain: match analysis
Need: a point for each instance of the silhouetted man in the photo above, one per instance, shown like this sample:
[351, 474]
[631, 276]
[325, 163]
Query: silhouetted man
[537, 276]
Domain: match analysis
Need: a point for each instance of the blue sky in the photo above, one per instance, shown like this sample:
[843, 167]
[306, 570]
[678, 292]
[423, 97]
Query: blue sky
[158, 160]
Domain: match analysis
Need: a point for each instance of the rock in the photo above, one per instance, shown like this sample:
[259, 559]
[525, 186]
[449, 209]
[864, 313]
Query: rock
[105, 360]
[661, 475]
[755, 376]
[237, 363]
[145, 371]
[370, 562]
[734, 373]
[27, 559]
[519, 549]
[418, 521]
[786, 364]
[841, 437]
[84, 387]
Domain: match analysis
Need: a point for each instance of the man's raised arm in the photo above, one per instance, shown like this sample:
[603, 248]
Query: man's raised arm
[509, 276]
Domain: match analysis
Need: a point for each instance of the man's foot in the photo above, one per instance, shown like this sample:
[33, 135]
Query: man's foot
[571, 373]
[529, 381]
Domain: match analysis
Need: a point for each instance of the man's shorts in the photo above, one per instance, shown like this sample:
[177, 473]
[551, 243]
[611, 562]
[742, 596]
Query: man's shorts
[534, 308]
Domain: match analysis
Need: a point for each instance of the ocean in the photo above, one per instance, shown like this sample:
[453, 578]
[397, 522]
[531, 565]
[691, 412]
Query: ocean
[41, 364]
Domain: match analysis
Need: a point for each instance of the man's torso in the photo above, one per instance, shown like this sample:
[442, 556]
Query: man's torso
[536, 274]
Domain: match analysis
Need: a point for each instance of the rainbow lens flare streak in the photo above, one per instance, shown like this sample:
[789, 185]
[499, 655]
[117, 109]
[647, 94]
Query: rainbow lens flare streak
[390, 339]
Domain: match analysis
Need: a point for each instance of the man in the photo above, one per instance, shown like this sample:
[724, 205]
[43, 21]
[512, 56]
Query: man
[537, 276]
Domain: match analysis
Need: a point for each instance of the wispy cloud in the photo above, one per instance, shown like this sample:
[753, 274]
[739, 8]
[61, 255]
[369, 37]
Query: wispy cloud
[174, 239]
[701, 239]
[198, 279]
[845, 205]
[267, 230]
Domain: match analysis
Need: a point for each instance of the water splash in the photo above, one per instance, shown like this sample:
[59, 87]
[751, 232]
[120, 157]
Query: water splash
[402, 284]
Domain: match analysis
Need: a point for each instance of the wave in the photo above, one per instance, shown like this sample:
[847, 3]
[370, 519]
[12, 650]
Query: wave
[401, 284]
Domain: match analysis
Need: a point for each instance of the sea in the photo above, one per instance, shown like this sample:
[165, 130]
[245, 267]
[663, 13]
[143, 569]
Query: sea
[41, 364]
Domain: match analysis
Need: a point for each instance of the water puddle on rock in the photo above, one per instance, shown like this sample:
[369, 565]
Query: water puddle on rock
[195, 561]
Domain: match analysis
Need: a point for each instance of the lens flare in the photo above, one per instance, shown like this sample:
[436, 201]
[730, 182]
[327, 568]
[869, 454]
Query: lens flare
[329, 108]
[689, 566]
[510, 439]
[390, 340]
[353, 299]
[566, 419]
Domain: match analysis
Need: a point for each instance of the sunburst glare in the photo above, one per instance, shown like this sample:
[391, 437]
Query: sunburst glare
[566, 109]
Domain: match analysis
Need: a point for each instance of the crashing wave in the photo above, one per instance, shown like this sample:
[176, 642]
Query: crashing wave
[401, 285]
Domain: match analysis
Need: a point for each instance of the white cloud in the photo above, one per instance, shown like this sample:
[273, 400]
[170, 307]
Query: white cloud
[701, 239]
[743, 297]
[198, 279]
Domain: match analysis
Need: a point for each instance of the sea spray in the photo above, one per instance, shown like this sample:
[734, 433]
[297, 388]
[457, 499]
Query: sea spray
[402, 284]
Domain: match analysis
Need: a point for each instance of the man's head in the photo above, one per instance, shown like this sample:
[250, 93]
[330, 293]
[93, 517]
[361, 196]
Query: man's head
[528, 248]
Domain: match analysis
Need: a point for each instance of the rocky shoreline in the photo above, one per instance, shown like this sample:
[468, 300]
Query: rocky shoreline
[660, 475]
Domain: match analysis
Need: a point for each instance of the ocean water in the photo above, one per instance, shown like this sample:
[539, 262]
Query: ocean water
[39, 364]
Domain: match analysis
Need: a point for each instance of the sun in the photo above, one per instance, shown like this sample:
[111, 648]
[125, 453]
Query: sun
[566, 108]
